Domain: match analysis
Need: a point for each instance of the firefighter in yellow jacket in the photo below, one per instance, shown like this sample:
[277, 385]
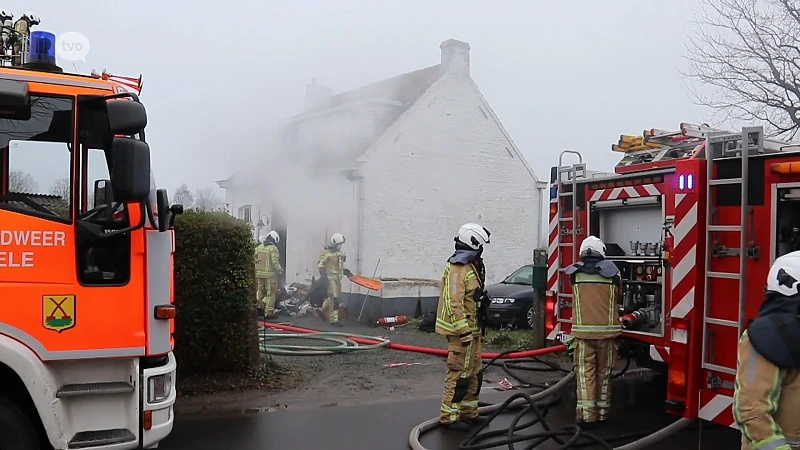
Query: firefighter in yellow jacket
[268, 271]
[767, 387]
[596, 285]
[331, 266]
[457, 318]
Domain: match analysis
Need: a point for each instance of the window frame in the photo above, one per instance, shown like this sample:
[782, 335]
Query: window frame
[6, 167]
[248, 209]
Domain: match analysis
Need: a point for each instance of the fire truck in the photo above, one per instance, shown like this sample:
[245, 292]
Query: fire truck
[86, 263]
[693, 218]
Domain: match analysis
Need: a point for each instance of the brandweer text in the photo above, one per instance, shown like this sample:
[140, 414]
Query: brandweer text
[27, 238]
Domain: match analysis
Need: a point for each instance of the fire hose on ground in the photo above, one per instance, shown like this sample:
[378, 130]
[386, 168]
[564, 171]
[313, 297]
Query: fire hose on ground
[569, 436]
[370, 340]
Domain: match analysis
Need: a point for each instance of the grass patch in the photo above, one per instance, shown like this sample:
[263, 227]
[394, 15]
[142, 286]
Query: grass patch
[508, 339]
[269, 375]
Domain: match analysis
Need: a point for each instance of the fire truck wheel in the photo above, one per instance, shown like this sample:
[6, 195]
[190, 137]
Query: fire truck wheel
[16, 430]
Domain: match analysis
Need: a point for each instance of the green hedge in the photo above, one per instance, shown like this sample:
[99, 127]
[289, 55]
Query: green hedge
[215, 329]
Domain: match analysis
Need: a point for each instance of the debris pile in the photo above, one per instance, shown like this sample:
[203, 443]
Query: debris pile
[292, 300]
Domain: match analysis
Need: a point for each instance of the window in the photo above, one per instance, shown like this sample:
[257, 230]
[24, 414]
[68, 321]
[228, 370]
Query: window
[39, 154]
[96, 169]
[244, 213]
[523, 275]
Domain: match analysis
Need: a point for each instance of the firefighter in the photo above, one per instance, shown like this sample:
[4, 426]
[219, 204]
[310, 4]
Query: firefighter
[268, 271]
[767, 387]
[596, 285]
[331, 266]
[457, 318]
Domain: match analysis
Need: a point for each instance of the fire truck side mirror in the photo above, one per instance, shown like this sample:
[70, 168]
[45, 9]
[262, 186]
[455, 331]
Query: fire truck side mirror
[15, 100]
[130, 169]
[103, 194]
[162, 205]
[126, 117]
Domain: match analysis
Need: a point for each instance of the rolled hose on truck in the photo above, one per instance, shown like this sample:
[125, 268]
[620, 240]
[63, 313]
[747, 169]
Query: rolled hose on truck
[569, 436]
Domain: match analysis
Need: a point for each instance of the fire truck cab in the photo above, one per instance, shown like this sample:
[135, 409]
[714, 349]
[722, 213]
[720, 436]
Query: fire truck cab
[86, 255]
[693, 218]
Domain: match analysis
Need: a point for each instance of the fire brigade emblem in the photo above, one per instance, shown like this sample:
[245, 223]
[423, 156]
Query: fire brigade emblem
[58, 312]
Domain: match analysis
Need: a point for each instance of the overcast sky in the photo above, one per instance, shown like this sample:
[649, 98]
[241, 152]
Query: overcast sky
[560, 75]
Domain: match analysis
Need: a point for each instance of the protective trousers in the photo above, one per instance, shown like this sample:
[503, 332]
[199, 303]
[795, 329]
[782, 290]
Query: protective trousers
[267, 293]
[462, 384]
[330, 307]
[594, 361]
[766, 402]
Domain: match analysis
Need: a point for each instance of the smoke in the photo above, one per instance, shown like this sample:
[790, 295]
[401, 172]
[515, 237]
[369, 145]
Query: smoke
[296, 168]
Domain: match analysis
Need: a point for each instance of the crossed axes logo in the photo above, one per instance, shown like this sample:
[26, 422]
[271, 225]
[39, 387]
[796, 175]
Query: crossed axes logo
[58, 312]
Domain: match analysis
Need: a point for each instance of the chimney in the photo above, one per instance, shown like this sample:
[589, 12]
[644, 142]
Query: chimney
[455, 58]
[317, 95]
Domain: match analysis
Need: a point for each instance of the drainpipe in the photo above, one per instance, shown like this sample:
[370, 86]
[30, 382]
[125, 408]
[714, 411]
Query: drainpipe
[355, 175]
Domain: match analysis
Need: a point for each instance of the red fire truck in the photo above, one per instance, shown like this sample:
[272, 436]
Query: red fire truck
[693, 218]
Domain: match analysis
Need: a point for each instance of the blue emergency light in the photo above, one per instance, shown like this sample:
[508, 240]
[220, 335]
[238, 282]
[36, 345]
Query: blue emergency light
[43, 47]
[686, 182]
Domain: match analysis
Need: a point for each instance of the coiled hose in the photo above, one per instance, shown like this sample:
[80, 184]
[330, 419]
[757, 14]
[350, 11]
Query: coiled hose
[345, 342]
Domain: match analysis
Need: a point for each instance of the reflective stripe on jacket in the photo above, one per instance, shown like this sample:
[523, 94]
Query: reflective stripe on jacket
[594, 309]
[758, 407]
[456, 313]
[268, 261]
[333, 263]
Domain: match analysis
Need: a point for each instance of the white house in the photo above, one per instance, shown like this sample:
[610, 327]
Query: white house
[397, 167]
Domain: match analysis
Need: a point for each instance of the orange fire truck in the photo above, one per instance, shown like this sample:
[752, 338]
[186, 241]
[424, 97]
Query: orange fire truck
[693, 218]
[85, 258]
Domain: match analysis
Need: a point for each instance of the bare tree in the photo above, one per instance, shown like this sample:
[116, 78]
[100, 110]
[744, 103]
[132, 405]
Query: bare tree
[747, 53]
[61, 187]
[19, 181]
[206, 200]
[183, 196]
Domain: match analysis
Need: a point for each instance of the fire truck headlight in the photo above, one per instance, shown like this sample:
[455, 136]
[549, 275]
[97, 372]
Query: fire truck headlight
[681, 182]
[689, 182]
[159, 388]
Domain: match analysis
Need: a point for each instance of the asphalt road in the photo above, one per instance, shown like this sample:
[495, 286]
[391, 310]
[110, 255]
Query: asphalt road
[387, 426]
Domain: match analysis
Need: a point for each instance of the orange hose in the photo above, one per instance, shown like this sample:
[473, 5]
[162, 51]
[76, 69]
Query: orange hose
[426, 350]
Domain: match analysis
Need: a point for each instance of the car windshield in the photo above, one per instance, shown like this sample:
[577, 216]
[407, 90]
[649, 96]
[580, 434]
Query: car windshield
[523, 275]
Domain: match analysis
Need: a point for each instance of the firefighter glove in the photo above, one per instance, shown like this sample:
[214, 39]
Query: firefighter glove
[347, 273]
[466, 338]
[570, 346]
[322, 271]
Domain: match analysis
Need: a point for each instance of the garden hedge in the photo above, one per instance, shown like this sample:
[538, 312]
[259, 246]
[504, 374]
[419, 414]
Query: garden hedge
[215, 329]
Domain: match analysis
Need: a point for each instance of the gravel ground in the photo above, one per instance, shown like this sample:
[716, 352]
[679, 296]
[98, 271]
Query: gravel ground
[358, 377]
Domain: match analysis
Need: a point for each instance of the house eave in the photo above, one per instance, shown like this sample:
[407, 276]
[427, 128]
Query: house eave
[324, 112]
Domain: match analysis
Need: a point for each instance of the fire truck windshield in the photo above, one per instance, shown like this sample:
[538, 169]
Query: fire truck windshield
[36, 159]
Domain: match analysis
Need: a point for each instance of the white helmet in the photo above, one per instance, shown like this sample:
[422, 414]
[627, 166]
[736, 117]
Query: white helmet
[593, 246]
[473, 235]
[274, 235]
[784, 275]
[337, 239]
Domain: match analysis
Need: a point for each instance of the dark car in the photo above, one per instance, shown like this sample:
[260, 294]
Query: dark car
[512, 299]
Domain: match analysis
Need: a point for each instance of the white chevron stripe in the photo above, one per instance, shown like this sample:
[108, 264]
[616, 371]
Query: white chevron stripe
[651, 189]
[685, 225]
[632, 192]
[715, 407]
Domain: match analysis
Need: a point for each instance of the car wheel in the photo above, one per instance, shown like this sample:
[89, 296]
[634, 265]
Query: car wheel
[529, 317]
[16, 430]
